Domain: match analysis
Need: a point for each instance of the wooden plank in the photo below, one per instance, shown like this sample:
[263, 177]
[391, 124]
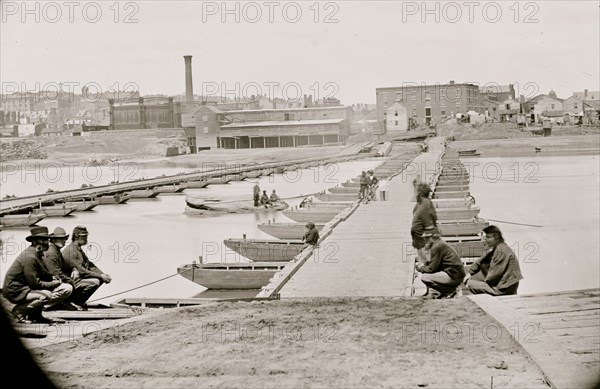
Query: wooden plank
[558, 306]
[575, 292]
[558, 309]
[571, 324]
[560, 368]
[582, 332]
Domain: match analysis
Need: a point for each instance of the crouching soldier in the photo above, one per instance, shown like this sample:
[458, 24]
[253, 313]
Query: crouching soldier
[30, 286]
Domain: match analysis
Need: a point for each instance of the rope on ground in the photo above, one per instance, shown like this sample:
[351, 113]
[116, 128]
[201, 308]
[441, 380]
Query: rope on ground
[138, 287]
[518, 224]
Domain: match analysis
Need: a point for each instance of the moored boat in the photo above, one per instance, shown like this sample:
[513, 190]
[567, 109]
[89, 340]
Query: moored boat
[265, 250]
[336, 197]
[114, 199]
[198, 184]
[83, 205]
[55, 210]
[451, 188]
[173, 188]
[468, 249]
[286, 230]
[457, 213]
[452, 203]
[307, 215]
[142, 193]
[21, 220]
[344, 190]
[451, 195]
[462, 229]
[447, 182]
[252, 275]
[198, 205]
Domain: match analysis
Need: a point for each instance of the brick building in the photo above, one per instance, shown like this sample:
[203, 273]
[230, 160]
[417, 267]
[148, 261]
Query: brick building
[427, 103]
[144, 113]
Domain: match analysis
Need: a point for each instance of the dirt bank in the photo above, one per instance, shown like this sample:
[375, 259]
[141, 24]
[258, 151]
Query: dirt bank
[333, 343]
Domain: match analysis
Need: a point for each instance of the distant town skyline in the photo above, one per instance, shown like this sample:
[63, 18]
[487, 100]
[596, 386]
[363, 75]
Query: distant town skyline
[339, 49]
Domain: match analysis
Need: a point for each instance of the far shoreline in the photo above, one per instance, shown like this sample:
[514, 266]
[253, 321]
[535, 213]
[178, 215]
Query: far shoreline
[557, 145]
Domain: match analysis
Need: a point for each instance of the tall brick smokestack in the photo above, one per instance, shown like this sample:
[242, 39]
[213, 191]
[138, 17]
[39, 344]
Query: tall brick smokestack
[189, 88]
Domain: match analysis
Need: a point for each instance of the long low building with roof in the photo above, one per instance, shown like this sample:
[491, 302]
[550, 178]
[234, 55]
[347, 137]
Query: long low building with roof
[264, 128]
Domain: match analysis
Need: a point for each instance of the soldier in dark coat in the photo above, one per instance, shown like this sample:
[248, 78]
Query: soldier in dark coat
[497, 272]
[57, 265]
[444, 271]
[89, 277]
[311, 236]
[29, 285]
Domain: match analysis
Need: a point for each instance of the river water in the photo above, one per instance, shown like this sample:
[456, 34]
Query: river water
[142, 241]
[546, 207]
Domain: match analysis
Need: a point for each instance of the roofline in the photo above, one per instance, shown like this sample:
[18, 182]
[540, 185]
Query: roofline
[423, 86]
[281, 122]
[288, 109]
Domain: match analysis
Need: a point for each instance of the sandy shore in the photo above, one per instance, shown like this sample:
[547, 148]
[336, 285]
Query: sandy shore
[332, 343]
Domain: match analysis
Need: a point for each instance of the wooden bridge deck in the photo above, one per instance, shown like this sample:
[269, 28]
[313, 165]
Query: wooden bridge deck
[560, 331]
[369, 254]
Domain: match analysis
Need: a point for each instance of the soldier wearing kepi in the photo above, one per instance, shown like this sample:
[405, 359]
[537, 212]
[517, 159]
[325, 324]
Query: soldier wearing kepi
[29, 284]
[89, 277]
[57, 265]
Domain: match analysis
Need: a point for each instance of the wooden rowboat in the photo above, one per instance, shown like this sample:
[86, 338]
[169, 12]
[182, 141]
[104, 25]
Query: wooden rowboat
[55, 210]
[197, 184]
[175, 188]
[457, 213]
[451, 195]
[286, 230]
[198, 205]
[83, 205]
[447, 182]
[462, 229]
[336, 197]
[452, 203]
[344, 190]
[469, 249]
[451, 188]
[21, 220]
[142, 194]
[324, 206]
[253, 275]
[317, 216]
[115, 199]
[265, 250]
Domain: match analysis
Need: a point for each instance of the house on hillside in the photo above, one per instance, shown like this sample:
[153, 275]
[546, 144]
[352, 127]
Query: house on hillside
[397, 118]
[508, 110]
[544, 105]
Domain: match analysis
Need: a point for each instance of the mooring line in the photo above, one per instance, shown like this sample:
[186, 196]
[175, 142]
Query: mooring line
[518, 224]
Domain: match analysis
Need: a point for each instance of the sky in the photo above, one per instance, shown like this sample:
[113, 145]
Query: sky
[342, 49]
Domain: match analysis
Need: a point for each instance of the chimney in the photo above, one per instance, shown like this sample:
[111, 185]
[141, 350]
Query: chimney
[189, 88]
[585, 92]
